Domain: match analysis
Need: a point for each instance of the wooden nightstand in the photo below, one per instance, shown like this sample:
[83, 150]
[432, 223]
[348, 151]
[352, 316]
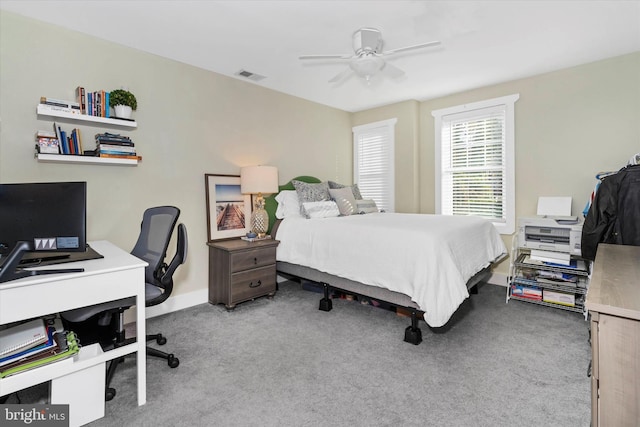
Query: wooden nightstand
[241, 271]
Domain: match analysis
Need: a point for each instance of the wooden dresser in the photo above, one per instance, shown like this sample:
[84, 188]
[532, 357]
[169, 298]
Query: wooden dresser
[613, 300]
[241, 271]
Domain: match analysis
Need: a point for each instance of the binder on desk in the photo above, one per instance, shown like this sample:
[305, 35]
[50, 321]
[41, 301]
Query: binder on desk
[18, 338]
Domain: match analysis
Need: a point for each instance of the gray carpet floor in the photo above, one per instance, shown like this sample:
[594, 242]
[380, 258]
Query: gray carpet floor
[282, 362]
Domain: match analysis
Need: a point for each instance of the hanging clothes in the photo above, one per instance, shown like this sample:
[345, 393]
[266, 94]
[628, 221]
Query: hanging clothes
[614, 215]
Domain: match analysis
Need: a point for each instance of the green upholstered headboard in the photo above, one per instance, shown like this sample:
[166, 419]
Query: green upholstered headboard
[270, 203]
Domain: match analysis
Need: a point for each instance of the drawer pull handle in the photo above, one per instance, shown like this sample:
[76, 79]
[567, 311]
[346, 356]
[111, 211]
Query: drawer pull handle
[255, 260]
[252, 285]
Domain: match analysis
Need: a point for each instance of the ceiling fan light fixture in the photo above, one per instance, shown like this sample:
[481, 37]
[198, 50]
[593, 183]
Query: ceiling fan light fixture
[367, 66]
[369, 58]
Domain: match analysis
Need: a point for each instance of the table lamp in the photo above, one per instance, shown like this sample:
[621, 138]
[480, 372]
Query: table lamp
[259, 180]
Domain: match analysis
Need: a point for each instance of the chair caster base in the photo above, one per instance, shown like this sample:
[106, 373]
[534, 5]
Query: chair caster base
[172, 361]
[413, 335]
[109, 394]
[161, 340]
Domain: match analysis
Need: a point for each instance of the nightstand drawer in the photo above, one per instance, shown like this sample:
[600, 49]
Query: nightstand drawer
[245, 260]
[249, 284]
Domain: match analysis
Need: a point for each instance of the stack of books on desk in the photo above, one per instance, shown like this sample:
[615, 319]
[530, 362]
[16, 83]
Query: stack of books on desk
[115, 146]
[33, 344]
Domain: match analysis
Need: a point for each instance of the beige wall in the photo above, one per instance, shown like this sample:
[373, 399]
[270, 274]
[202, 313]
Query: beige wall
[407, 147]
[570, 124]
[190, 122]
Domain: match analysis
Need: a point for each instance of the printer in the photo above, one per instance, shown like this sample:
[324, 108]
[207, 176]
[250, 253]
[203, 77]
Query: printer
[550, 233]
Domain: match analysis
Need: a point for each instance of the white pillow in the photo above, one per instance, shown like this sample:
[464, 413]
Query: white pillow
[323, 209]
[288, 204]
[366, 206]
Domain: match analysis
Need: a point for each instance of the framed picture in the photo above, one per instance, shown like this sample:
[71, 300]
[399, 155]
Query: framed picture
[228, 210]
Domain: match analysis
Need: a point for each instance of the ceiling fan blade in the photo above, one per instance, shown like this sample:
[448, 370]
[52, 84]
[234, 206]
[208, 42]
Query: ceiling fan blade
[343, 56]
[391, 70]
[417, 46]
[340, 76]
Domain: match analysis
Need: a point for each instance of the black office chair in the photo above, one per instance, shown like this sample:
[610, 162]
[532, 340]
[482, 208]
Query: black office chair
[157, 227]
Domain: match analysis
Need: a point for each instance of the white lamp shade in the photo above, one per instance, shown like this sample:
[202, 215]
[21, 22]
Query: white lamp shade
[259, 179]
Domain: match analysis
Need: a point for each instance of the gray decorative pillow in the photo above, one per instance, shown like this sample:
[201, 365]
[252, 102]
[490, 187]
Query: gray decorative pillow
[354, 189]
[344, 199]
[366, 206]
[311, 192]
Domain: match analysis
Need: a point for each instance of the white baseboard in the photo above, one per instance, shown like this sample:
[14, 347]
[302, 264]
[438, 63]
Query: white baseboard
[178, 302]
[172, 304]
[499, 279]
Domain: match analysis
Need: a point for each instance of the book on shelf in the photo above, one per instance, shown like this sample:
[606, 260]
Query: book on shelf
[19, 337]
[59, 109]
[97, 103]
[112, 138]
[81, 98]
[561, 298]
[115, 143]
[46, 134]
[32, 351]
[67, 143]
[64, 143]
[59, 103]
[65, 347]
[116, 152]
[79, 136]
[114, 147]
[120, 156]
[48, 146]
[47, 142]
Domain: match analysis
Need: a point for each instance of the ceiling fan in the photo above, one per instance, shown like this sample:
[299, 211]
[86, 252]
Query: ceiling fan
[369, 58]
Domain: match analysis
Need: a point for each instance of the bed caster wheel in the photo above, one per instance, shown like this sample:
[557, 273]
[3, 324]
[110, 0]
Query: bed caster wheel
[172, 361]
[109, 394]
[326, 304]
[413, 335]
[161, 340]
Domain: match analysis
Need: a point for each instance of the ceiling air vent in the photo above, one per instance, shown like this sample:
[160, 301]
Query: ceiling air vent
[249, 75]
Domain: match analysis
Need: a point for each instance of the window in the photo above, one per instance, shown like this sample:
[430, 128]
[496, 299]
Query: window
[373, 160]
[475, 161]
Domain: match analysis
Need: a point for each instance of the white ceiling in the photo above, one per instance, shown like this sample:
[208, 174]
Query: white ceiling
[483, 42]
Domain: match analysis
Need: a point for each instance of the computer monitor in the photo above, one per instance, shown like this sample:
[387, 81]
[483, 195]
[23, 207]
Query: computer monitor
[41, 219]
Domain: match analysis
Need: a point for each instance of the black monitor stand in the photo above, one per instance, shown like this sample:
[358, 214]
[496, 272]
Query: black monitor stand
[10, 271]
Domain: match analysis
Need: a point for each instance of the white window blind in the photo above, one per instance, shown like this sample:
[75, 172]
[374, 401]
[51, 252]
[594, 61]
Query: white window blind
[474, 161]
[373, 154]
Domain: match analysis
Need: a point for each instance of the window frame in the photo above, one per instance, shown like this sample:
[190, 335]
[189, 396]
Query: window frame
[389, 131]
[448, 114]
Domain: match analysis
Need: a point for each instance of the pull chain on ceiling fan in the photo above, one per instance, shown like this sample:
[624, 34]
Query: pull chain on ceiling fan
[368, 58]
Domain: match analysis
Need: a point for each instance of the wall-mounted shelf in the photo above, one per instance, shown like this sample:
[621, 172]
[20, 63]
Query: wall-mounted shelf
[43, 110]
[88, 160]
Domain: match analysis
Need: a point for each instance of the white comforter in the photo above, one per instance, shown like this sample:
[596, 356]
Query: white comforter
[428, 257]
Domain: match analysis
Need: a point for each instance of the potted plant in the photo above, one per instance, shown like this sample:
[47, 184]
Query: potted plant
[123, 102]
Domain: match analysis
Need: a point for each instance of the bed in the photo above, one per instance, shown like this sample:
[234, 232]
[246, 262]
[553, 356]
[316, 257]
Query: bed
[425, 264]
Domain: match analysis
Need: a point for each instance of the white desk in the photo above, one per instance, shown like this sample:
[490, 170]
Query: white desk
[117, 275]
